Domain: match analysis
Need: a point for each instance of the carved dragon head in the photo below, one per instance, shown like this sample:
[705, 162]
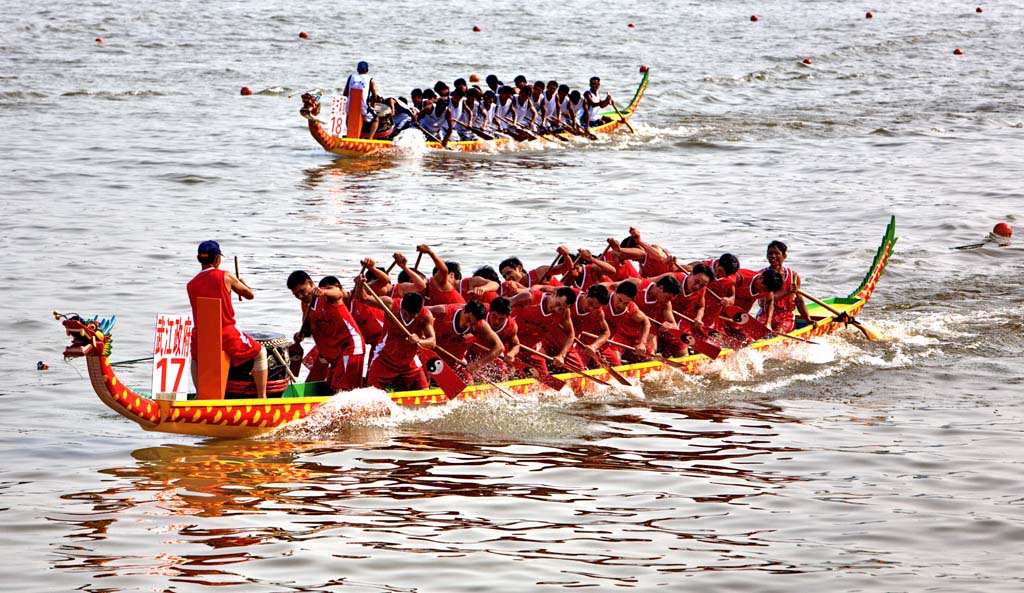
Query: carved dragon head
[89, 337]
[310, 105]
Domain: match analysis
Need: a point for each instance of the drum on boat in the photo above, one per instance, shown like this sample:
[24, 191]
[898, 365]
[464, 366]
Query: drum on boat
[240, 382]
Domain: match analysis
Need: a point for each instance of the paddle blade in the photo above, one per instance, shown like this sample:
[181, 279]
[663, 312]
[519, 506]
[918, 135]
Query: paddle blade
[746, 323]
[543, 378]
[700, 346]
[868, 331]
[445, 376]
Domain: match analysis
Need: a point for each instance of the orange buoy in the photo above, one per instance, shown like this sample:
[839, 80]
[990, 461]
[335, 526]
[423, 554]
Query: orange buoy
[753, 18]
[978, 9]
[474, 77]
[958, 52]
[303, 35]
[1003, 230]
[643, 68]
[869, 15]
[476, 28]
[246, 91]
[807, 61]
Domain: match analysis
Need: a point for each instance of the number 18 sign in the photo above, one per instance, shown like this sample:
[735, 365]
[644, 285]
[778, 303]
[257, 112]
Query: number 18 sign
[172, 355]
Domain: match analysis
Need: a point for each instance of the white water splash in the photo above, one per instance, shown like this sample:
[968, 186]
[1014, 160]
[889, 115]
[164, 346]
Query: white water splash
[410, 143]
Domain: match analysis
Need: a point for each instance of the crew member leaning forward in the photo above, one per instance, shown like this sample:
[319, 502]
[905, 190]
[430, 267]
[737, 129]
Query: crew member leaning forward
[214, 283]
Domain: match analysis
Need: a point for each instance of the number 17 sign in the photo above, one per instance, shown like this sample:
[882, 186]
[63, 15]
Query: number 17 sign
[172, 355]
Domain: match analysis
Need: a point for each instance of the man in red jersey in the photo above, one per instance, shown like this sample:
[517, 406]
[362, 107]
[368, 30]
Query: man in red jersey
[777, 313]
[751, 286]
[691, 300]
[587, 271]
[720, 292]
[624, 267]
[443, 285]
[654, 299]
[457, 327]
[484, 285]
[654, 260]
[544, 324]
[338, 340]
[395, 364]
[588, 318]
[214, 283]
[511, 269]
[687, 307]
[626, 322]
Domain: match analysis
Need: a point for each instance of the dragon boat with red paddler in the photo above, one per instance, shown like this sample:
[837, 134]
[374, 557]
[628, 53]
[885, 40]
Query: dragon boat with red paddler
[357, 147]
[240, 418]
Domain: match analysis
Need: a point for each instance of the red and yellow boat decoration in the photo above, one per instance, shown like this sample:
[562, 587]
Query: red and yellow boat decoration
[356, 147]
[242, 418]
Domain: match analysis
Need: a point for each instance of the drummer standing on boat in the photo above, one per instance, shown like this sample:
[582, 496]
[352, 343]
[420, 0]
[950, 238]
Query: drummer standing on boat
[214, 283]
[362, 81]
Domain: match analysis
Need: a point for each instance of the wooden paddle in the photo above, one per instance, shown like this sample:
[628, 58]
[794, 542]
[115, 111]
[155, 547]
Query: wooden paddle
[545, 378]
[431, 136]
[843, 317]
[523, 129]
[449, 393]
[605, 366]
[287, 367]
[239, 276]
[547, 272]
[570, 368]
[480, 132]
[658, 357]
[622, 118]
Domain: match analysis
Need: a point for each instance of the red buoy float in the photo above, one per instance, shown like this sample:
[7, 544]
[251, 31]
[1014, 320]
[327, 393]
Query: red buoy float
[476, 28]
[99, 40]
[1003, 230]
[869, 15]
[978, 9]
[807, 62]
[632, 26]
[303, 35]
[246, 91]
[753, 18]
[958, 52]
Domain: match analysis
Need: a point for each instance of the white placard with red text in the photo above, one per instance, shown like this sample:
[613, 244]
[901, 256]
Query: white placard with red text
[172, 355]
[338, 112]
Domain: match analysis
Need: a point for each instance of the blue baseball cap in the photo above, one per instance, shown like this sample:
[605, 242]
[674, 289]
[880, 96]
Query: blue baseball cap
[209, 248]
[362, 67]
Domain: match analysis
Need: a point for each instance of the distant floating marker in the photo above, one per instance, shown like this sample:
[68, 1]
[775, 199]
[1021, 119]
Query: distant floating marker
[958, 52]
[99, 40]
[474, 77]
[42, 366]
[869, 15]
[632, 26]
[476, 28]
[246, 91]
[978, 9]
[807, 62]
[303, 35]
[643, 68]
[753, 18]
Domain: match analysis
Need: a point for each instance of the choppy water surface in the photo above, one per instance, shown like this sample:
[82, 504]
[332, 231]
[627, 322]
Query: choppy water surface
[854, 466]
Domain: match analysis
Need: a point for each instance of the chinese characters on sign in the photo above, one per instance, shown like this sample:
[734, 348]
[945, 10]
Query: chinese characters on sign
[338, 116]
[172, 354]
